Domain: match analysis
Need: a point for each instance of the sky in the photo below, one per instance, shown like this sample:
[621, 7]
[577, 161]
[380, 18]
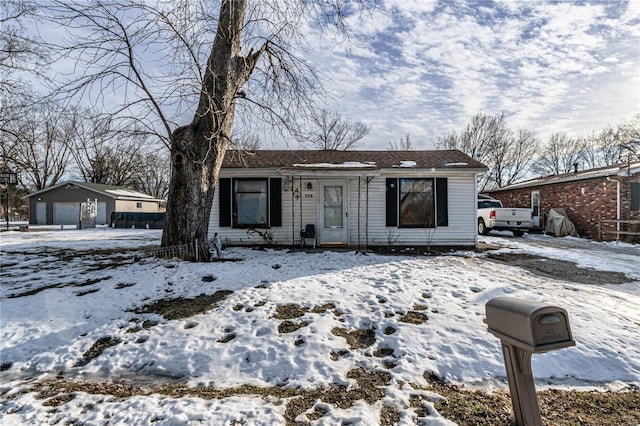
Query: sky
[424, 68]
[63, 290]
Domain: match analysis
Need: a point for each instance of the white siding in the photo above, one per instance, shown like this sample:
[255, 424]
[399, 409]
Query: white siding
[366, 224]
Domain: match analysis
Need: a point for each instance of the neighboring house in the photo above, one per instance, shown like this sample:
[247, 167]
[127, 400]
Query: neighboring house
[60, 204]
[611, 192]
[358, 199]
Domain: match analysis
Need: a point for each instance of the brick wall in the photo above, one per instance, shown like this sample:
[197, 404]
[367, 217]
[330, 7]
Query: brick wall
[586, 201]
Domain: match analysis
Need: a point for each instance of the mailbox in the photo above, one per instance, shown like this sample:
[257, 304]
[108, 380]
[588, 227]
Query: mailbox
[535, 327]
[525, 327]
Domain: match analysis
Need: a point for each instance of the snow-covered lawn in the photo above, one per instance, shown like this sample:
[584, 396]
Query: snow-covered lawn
[420, 314]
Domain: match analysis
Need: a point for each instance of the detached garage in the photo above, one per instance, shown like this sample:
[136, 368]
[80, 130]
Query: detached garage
[60, 204]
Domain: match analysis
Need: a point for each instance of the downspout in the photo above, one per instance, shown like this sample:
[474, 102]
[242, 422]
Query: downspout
[300, 195]
[359, 218]
[610, 179]
[293, 214]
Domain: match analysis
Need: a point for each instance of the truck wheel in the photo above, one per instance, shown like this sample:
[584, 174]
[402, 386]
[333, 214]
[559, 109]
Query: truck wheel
[518, 233]
[482, 228]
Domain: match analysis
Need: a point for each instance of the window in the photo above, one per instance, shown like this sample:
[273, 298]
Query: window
[417, 206]
[635, 196]
[250, 202]
[415, 203]
[138, 205]
[245, 202]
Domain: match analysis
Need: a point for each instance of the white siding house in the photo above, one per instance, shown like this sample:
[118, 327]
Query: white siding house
[358, 199]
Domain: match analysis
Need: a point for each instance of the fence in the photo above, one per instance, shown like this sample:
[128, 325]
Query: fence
[197, 251]
[137, 220]
[632, 228]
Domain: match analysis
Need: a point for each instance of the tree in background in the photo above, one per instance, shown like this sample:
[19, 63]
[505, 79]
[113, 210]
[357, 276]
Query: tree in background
[19, 52]
[330, 131]
[38, 145]
[105, 154]
[560, 154]
[403, 144]
[211, 63]
[507, 154]
[613, 145]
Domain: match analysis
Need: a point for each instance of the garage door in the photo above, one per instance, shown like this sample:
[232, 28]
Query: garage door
[66, 213]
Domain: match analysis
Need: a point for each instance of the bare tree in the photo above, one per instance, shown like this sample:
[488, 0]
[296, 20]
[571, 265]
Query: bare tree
[19, 52]
[560, 154]
[330, 131]
[171, 59]
[40, 148]
[612, 145]
[105, 154]
[404, 144]
[153, 177]
[507, 154]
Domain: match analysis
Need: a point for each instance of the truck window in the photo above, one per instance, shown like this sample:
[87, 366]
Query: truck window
[488, 204]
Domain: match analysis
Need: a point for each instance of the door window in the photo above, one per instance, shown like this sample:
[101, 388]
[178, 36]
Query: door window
[333, 206]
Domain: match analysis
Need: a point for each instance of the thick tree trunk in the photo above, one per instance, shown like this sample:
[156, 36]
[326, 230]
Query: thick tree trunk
[197, 150]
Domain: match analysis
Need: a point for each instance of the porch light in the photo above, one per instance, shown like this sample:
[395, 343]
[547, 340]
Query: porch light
[309, 186]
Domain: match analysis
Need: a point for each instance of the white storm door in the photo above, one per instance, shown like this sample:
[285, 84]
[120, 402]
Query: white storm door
[535, 208]
[333, 213]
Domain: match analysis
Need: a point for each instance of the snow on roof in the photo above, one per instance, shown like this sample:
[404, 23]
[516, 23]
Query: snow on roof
[407, 164]
[345, 165]
[128, 193]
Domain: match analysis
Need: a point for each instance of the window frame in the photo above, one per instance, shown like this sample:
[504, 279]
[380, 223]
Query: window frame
[440, 201]
[234, 203]
[432, 199]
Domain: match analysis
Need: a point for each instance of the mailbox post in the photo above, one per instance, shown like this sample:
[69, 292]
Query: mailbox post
[526, 327]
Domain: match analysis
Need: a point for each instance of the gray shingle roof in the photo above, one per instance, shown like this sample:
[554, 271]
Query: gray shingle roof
[437, 159]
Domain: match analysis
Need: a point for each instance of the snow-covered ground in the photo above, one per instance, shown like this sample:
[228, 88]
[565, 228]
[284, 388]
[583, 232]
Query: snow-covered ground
[55, 304]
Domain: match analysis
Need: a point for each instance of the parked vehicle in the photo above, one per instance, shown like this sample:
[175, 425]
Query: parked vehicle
[492, 215]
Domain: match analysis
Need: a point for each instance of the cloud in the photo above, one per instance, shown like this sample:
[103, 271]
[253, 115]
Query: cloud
[425, 69]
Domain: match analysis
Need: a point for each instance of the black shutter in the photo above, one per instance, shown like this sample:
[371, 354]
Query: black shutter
[391, 206]
[442, 202]
[635, 196]
[224, 197]
[275, 202]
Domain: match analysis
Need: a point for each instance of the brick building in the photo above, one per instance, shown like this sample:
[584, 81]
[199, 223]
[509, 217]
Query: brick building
[611, 192]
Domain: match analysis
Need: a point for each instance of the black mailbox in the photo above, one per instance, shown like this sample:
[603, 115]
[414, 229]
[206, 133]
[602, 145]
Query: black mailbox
[535, 327]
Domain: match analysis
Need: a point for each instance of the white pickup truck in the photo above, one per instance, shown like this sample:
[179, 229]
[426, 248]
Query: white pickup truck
[491, 215]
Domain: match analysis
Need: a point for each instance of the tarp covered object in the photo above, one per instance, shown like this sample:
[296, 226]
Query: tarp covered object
[559, 224]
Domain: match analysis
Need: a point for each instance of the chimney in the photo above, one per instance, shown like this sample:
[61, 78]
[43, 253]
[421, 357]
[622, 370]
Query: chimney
[575, 167]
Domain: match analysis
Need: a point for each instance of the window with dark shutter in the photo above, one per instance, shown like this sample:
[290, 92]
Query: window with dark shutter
[391, 207]
[442, 202]
[224, 204]
[275, 202]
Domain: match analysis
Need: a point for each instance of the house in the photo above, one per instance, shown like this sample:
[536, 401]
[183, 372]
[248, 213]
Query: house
[60, 204]
[357, 199]
[611, 192]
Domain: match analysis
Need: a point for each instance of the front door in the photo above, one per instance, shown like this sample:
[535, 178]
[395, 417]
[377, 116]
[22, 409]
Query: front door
[333, 213]
[535, 208]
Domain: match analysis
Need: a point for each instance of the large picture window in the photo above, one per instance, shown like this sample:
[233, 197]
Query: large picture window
[417, 206]
[250, 202]
[417, 202]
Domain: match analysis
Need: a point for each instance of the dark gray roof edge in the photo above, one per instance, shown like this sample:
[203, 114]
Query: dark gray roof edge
[91, 187]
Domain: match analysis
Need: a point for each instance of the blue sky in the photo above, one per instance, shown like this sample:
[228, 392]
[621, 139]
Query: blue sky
[426, 67]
